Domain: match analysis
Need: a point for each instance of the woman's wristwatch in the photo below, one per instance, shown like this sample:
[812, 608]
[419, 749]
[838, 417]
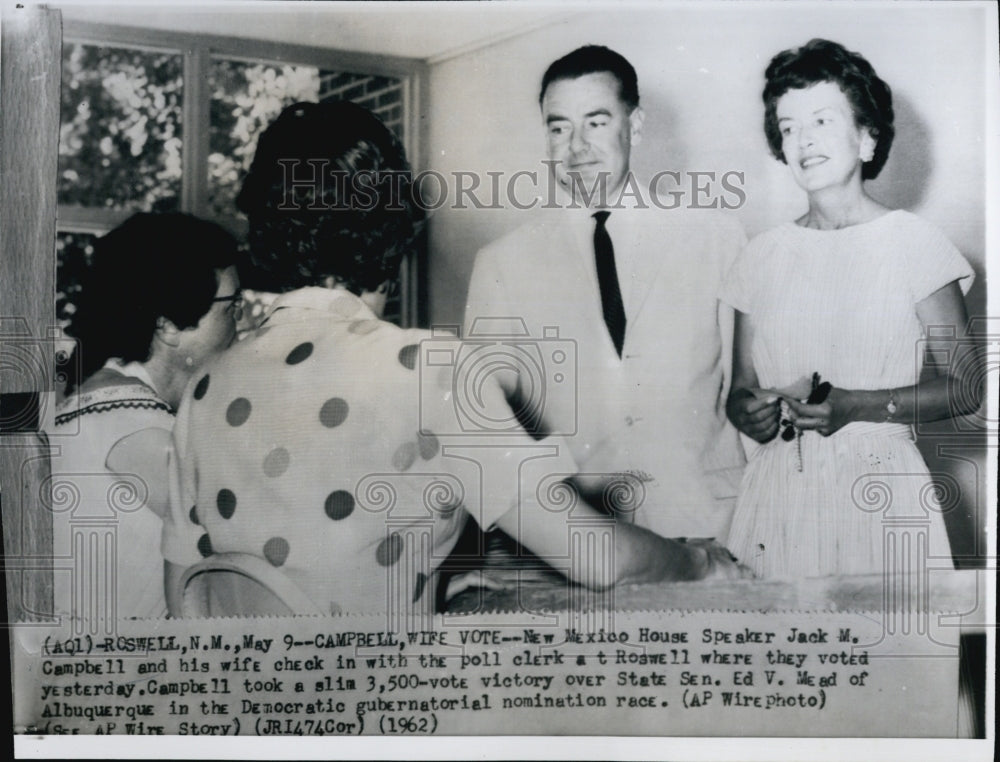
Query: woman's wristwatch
[890, 407]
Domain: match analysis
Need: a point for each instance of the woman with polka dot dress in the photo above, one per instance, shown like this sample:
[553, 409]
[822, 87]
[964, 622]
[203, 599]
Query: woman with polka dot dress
[321, 443]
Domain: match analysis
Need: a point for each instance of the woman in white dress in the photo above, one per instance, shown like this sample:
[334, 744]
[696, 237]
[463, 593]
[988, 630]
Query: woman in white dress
[161, 298]
[843, 296]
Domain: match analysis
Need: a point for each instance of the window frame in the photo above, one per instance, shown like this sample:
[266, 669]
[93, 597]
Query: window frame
[197, 51]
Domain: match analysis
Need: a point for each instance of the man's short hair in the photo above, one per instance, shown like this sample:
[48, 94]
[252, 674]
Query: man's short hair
[594, 59]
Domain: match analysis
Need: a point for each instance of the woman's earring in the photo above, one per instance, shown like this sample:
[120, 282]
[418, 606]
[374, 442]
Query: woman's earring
[867, 152]
[189, 361]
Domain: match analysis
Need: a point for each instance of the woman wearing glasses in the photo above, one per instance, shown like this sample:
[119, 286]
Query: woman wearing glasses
[833, 313]
[162, 297]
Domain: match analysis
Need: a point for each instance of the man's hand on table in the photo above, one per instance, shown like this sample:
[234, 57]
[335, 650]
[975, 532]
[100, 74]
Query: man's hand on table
[718, 562]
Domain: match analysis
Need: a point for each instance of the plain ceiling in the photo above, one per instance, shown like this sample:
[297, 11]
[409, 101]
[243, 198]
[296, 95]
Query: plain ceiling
[427, 31]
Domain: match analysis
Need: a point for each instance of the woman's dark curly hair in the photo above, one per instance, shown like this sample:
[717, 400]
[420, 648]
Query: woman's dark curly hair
[150, 266]
[825, 61]
[329, 194]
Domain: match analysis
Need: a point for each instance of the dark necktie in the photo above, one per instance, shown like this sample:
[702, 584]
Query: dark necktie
[607, 279]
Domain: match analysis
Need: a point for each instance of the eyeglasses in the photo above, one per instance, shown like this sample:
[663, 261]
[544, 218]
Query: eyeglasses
[236, 304]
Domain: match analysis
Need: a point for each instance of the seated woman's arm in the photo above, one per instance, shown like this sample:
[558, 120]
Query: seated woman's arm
[182, 538]
[144, 454]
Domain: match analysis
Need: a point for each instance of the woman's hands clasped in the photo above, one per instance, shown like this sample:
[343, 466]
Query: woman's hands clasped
[757, 412]
[826, 417]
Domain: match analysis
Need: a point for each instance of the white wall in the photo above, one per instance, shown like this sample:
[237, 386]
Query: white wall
[700, 75]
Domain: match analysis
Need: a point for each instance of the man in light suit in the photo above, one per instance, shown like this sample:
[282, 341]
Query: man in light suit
[632, 286]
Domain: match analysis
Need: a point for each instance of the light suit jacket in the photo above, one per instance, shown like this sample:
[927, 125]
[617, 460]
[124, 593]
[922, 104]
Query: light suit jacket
[659, 410]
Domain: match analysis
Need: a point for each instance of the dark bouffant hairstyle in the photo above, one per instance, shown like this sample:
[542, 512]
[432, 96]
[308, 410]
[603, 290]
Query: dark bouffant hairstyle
[329, 194]
[150, 266]
[593, 59]
[825, 61]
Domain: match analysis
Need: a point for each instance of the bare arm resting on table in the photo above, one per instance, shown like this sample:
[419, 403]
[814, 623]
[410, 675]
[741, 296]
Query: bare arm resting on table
[636, 556]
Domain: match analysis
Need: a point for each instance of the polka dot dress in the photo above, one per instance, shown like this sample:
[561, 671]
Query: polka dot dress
[302, 445]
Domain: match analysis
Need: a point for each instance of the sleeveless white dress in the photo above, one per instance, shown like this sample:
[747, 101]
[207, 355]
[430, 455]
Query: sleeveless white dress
[841, 303]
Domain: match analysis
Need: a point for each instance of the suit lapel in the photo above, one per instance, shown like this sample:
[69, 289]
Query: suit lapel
[648, 260]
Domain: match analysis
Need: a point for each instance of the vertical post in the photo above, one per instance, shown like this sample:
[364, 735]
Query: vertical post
[30, 75]
[415, 297]
[194, 154]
